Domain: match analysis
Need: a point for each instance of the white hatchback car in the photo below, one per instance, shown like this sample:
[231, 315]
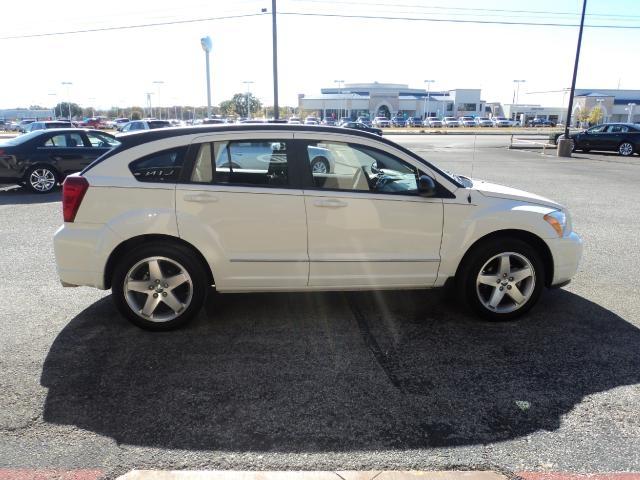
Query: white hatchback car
[169, 213]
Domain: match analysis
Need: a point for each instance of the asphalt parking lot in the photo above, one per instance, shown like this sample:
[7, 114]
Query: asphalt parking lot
[397, 380]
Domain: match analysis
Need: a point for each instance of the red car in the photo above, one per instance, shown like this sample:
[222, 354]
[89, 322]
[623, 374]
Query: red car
[93, 122]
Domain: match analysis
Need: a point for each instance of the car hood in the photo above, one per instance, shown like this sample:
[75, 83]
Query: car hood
[500, 191]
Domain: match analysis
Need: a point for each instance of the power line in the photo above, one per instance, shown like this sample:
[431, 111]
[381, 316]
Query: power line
[431, 7]
[127, 27]
[424, 19]
[309, 14]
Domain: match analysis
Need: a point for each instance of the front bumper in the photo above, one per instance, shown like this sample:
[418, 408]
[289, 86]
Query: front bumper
[566, 253]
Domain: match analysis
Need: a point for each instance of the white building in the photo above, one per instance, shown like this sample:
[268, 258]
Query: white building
[616, 105]
[523, 112]
[390, 99]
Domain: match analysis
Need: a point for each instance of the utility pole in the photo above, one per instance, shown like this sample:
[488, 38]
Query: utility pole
[274, 27]
[565, 151]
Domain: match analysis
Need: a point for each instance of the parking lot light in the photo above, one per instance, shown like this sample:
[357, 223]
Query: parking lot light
[67, 85]
[207, 45]
[427, 101]
[629, 109]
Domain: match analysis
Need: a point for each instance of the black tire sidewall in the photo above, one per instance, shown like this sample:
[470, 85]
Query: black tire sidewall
[176, 252]
[479, 256]
[27, 177]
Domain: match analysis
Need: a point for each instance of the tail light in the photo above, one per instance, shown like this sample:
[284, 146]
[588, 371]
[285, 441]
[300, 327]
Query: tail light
[73, 190]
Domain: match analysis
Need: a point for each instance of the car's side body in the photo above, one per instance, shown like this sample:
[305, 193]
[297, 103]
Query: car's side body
[295, 236]
[63, 151]
[608, 137]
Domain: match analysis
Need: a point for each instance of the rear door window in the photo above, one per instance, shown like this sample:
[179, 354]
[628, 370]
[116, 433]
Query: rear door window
[249, 163]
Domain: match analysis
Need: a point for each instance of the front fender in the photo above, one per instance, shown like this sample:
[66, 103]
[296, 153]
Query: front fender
[464, 225]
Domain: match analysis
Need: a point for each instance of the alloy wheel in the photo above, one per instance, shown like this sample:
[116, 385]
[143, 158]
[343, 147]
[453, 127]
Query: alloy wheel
[319, 167]
[626, 149]
[42, 180]
[505, 282]
[158, 289]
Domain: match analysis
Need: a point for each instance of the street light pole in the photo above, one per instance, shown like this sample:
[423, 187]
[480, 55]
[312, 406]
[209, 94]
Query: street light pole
[600, 100]
[150, 109]
[248, 84]
[427, 101]
[340, 83]
[159, 83]
[54, 106]
[630, 110]
[207, 45]
[274, 29]
[67, 84]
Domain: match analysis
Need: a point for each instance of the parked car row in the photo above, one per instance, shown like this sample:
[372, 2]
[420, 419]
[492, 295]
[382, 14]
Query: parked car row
[431, 122]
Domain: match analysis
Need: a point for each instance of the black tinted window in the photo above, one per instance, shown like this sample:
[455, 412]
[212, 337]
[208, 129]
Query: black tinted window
[160, 167]
[159, 124]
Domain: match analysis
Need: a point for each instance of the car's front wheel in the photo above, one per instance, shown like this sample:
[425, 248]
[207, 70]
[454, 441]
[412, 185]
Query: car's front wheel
[159, 286]
[502, 278]
[625, 149]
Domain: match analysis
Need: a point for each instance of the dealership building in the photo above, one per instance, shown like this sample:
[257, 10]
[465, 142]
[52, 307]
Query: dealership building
[391, 99]
[616, 105]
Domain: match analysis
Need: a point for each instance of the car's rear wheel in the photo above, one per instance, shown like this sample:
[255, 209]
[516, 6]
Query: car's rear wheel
[625, 149]
[41, 179]
[502, 279]
[159, 286]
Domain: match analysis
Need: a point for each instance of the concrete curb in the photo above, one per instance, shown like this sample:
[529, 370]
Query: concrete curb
[310, 475]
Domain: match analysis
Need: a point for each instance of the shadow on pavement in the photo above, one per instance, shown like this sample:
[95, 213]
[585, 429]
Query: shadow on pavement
[16, 195]
[335, 372]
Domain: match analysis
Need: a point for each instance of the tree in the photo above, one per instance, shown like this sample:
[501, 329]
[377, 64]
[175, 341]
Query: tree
[62, 110]
[136, 113]
[238, 105]
[595, 115]
[582, 116]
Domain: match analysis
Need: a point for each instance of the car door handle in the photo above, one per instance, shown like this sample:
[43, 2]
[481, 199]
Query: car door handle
[330, 203]
[200, 198]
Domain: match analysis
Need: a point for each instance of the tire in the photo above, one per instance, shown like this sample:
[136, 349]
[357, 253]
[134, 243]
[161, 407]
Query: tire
[625, 149]
[181, 279]
[482, 268]
[320, 165]
[41, 179]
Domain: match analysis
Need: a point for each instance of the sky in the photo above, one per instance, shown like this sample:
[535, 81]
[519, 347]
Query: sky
[417, 40]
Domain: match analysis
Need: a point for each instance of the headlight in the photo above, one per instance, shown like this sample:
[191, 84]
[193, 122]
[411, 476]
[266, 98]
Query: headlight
[558, 221]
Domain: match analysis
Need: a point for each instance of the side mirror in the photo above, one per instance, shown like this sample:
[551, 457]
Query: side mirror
[426, 186]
